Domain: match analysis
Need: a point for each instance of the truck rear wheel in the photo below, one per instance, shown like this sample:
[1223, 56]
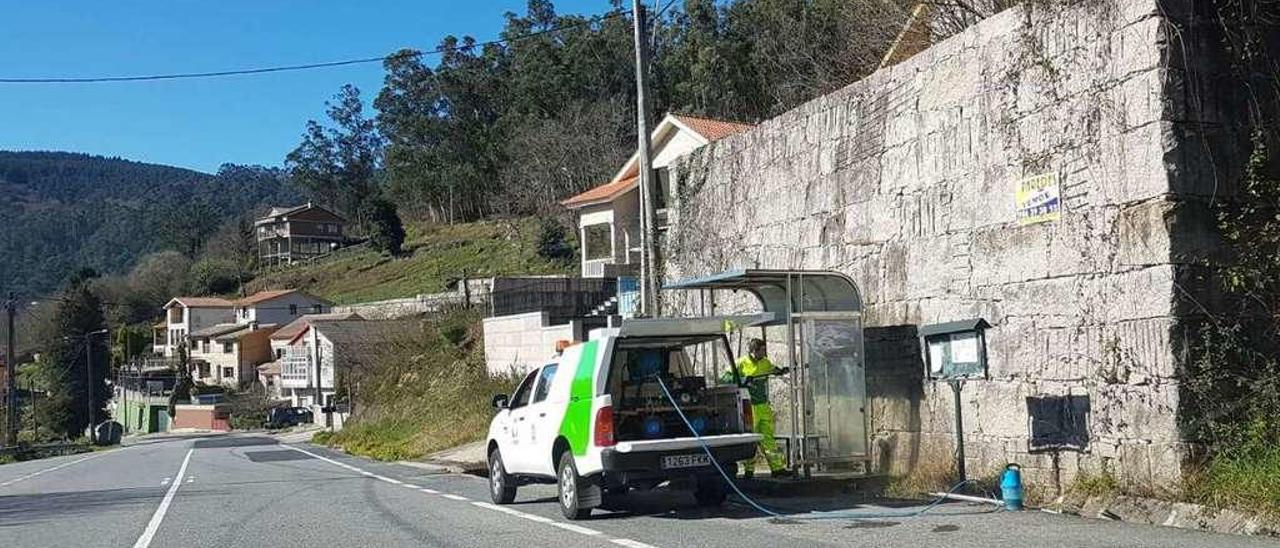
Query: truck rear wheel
[571, 488]
[710, 491]
[502, 487]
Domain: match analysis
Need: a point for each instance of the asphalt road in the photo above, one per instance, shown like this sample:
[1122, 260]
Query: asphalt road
[253, 491]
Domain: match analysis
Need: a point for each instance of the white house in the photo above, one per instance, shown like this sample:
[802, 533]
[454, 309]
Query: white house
[324, 353]
[184, 315]
[270, 373]
[609, 215]
[278, 306]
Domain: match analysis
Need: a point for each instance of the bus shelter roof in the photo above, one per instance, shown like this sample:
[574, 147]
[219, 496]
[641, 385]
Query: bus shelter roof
[809, 290]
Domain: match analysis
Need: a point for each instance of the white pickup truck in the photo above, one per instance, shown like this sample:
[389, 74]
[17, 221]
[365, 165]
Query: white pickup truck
[596, 419]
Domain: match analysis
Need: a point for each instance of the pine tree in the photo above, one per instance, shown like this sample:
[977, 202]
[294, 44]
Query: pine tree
[72, 387]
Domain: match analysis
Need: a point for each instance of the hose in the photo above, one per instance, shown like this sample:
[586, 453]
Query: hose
[839, 514]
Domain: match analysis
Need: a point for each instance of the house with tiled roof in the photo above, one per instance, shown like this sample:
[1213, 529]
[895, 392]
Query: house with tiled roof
[609, 214]
[279, 306]
[290, 234]
[184, 315]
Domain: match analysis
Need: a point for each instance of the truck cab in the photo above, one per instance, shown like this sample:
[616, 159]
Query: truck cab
[606, 415]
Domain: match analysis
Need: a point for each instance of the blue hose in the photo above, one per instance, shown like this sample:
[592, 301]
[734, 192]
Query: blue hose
[839, 514]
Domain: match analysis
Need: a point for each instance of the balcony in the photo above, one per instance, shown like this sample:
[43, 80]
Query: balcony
[268, 232]
[296, 371]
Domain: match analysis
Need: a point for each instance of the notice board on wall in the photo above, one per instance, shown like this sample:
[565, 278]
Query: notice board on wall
[1037, 199]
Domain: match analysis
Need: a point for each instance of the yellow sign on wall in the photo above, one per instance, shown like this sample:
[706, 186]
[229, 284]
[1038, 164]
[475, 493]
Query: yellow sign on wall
[1037, 199]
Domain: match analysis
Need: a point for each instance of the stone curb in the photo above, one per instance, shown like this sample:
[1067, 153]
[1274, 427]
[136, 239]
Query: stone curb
[1183, 515]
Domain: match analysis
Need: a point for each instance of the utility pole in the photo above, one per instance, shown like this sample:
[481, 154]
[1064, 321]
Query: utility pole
[87, 338]
[648, 246]
[88, 375]
[10, 377]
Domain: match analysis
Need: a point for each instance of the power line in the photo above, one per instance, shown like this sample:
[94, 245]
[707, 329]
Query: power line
[308, 66]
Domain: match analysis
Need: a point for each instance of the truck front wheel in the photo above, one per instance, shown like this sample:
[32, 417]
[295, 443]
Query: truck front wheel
[502, 487]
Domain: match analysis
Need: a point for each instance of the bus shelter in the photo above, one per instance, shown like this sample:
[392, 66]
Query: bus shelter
[821, 316]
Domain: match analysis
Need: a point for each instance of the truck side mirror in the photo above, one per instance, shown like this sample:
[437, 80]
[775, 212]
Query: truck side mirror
[500, 401]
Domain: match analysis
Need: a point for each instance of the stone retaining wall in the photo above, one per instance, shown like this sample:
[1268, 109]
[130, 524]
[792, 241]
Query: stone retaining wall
[904, 181]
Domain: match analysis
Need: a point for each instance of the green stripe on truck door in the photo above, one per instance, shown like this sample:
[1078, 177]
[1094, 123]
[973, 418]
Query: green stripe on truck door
[576, 426]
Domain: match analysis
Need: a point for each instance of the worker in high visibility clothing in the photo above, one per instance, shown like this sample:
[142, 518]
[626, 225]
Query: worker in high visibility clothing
[754, 370]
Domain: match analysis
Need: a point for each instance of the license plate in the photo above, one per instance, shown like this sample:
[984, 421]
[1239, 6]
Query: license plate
[685, 461]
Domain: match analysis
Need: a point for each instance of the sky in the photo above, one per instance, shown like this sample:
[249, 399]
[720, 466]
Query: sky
[201, 124]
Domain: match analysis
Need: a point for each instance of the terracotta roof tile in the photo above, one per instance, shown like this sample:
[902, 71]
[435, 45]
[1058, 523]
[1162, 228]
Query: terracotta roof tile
[297, 326]
[263, 296]
[602, 192]
[713, 130]
[204, 302]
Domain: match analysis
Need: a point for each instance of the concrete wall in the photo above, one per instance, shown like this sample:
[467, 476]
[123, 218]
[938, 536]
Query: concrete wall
[477, 290]
[904, 181]
[520, 342]
[201, 417]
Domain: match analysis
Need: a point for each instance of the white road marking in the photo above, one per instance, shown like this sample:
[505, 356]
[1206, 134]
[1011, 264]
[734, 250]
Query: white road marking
[50, 469]
[189, 480]
[630, 543]
[154, 525]
[165, 481]
[488, 506]
[575, 528]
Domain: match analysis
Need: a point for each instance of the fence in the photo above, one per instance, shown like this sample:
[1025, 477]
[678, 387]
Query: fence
[563, 299]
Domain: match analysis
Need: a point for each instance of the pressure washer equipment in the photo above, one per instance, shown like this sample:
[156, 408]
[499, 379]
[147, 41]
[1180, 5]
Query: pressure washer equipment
[781, 518]
[1011, 486]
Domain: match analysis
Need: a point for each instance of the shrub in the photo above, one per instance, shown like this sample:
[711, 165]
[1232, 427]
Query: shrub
[552, 243]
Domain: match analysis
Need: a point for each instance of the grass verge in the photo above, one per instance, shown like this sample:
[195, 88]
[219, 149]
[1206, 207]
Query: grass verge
[423, 394]
[1246, 479]
[435, 255]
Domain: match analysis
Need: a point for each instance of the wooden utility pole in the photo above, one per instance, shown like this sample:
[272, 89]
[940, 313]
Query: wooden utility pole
[648, 234]
[10, 376]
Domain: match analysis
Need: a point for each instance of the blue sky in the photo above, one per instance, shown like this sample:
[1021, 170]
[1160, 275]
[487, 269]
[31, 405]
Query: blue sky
[200, 124]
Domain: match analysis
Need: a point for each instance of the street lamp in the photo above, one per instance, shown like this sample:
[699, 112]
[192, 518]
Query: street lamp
[88, 367]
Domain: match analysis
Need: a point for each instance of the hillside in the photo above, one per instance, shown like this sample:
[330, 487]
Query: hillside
[60, 212]
[436, 255]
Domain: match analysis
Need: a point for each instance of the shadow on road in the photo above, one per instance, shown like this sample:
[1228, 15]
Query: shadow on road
[56, 507]
[234, 441]
[677, 504]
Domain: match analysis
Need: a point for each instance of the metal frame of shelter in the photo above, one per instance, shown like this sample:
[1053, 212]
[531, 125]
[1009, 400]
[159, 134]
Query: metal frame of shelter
[822, 313]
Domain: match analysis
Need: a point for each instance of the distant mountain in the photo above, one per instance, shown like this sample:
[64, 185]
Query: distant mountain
[61, 211]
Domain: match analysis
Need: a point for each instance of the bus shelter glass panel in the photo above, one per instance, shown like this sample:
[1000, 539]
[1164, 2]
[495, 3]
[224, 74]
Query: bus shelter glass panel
[834, 386]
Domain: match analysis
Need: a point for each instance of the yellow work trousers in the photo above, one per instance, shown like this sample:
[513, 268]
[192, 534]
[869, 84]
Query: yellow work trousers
[762, 423]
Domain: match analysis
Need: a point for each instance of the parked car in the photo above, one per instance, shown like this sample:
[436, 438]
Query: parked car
[597, 420]
[284, 417]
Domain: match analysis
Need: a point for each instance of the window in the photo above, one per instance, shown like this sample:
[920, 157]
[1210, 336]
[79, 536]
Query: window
[293, 310]
[228, 347]
[521, 397]
[662, 197]
[597, 241]
[203, 368]
[544, 383]
[204, 346]
[279, 353]
[228, 372]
